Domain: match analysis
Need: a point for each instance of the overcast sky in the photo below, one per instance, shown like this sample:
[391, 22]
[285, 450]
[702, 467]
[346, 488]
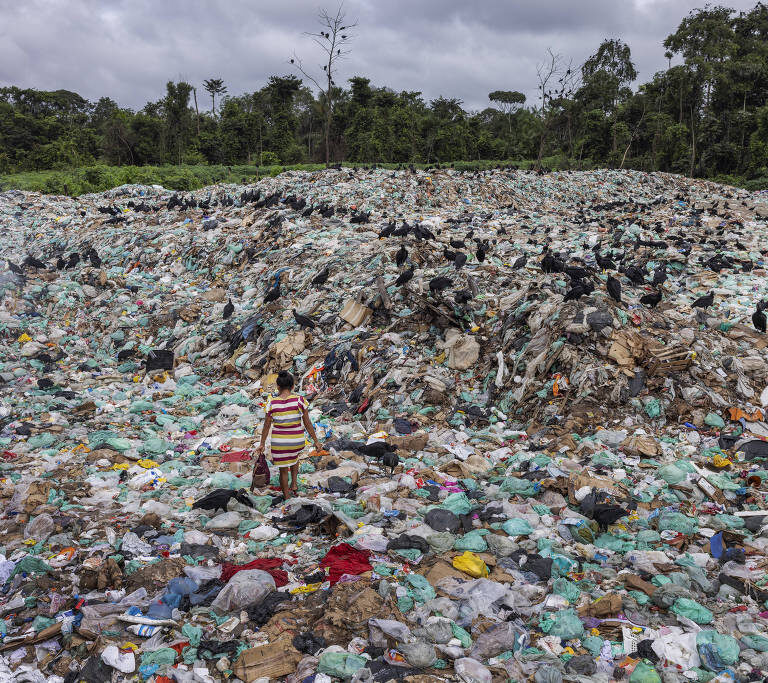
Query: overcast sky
[128, 49]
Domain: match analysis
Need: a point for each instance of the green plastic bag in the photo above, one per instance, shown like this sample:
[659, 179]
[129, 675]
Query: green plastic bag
[717, 650]
[648, 536]
[653, 408]
[584, 532]
[671, 473]
[593, 645]
[457, 503]
[340, 664]
[404, 604]
[693, 610]
[30, 565]
[519, 487]
[419, 588]
[118, 444]
[645, 673]
[40, 622]
[669, 520]
[473, 541]
[722, 481]
[141, 406]
[155, 446]
[441, 542]
[164, 657]
[567, 589]
[561, 565]
[611, 542]
[226, 480]
[462, 635]
[754, 642]
[564, 624]
[410, 554]
[193, 633]
[714, 420]
[517, 527]
[44, 440]
[731, 521]
[189, 654]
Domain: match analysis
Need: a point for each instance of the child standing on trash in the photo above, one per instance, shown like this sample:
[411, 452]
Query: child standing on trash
[287, 417]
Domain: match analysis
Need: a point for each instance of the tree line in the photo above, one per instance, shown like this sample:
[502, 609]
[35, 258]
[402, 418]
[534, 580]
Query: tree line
[706, 115]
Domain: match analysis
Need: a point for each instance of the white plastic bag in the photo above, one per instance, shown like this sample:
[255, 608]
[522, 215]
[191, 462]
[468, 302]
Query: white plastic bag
[471, 671]
[202, 574]
[226, 520]
[245, 588]
[133, 545]
[122, 661]
[40, 527]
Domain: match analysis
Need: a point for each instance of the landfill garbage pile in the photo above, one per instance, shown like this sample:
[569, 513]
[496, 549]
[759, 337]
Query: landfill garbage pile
[541, 400]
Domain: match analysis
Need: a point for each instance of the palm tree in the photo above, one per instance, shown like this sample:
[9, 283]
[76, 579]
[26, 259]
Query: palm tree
[214, 86]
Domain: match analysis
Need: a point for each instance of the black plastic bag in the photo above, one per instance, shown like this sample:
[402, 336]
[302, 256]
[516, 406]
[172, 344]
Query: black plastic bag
[442, 520]
[159, 359]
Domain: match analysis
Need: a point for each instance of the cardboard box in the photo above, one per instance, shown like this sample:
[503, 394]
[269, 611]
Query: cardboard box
[355, 313]
[271, 661]
[241, 467]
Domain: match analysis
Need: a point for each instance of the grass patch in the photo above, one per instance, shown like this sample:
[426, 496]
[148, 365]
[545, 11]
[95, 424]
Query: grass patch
[77, 181]
[99, 178]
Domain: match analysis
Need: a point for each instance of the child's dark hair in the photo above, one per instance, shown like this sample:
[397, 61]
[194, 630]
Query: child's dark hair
[285, 380]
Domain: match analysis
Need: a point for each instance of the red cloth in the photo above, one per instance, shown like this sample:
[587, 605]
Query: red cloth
[267, 564]
[344, 559]
[179, 647]
[236, 456]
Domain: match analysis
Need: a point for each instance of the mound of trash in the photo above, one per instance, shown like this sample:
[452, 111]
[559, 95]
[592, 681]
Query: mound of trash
[541, 400]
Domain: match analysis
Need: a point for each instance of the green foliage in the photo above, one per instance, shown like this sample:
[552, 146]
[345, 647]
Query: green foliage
[79, 181]
[705, 116]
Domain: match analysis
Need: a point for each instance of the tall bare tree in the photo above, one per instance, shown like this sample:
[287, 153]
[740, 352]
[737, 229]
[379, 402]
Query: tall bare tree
[197, 111]
[214, 86]
[333, 37]
[557, 82]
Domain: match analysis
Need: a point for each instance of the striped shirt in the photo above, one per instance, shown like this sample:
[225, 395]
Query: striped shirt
[287, 440]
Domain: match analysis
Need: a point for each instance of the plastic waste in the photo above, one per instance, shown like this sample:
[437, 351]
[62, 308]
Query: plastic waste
[692, 610]
[547, 674]
[471, 671]
[122, 661]
[645, 672]
[469, 563]
[442, 520]
[571, 486]
[226, 520]
[40, 527]
[506, 637]
[340, 664]
[564, 624]
[717, 650]
[418, 654]
[245, 588]
[517, 527]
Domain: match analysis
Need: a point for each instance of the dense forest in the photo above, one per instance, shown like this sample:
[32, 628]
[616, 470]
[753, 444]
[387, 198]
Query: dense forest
[704, 116]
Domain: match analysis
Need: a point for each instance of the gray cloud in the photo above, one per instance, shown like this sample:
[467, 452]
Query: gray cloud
[128, 49]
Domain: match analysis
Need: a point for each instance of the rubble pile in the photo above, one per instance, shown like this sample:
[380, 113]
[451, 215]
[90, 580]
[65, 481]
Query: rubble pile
[570, 369]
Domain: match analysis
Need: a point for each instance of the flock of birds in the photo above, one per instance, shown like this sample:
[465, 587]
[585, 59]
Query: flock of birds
[60, 263]
[618, 260]
[579, 272]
